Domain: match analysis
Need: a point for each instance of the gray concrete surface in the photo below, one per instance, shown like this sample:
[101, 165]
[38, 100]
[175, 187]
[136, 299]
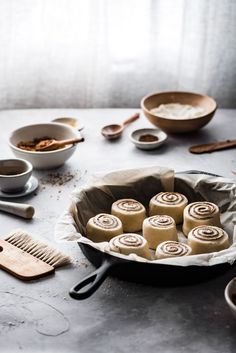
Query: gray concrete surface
[120, 317]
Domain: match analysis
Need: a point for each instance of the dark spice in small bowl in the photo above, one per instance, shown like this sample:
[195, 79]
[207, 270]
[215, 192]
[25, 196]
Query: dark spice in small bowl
[148, 138]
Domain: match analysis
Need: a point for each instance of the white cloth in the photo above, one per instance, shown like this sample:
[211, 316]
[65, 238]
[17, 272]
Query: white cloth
[110, 53]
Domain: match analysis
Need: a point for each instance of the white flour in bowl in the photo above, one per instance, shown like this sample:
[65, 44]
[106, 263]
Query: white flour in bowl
[178, 111]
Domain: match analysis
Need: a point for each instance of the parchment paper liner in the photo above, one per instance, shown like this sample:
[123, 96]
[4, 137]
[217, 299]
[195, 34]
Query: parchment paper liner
[141, 184]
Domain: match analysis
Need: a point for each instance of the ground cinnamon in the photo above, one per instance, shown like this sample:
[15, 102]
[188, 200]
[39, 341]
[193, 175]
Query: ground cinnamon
[148, 138]
[31, 145]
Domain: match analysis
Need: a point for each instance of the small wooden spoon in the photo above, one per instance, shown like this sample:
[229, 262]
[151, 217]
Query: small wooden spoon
[51, 145]
[115, 130]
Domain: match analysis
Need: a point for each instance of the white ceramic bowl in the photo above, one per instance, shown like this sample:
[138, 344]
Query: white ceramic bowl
[43, 160]
[135, 135]
[14, 174]
[230, 292]
[73, 122]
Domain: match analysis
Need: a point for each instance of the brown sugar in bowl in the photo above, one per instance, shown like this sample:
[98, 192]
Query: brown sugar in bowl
[179, 125]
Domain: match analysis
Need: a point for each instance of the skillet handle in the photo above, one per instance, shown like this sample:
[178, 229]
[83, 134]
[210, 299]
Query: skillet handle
[93, 281]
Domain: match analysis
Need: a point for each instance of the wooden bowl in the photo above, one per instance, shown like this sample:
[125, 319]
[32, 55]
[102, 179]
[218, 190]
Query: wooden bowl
[179, 125]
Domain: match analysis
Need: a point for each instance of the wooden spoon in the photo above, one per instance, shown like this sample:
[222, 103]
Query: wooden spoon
[51, 144]
[115, 130]
[211, 147]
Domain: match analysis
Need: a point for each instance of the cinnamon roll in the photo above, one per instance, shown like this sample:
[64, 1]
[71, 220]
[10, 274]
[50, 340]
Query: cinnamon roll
[157, 229]
[200, 213]
[205, 239]
[103, 227]
[131, 213]
[168, 203]
[130, 243]
[172, 249]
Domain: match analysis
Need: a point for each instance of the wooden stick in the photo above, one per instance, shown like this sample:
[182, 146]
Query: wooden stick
[19, 209]
[211, 147]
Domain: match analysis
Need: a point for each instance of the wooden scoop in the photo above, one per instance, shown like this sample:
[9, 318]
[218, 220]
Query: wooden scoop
[115, 130]
[211, 147]
[51, 144]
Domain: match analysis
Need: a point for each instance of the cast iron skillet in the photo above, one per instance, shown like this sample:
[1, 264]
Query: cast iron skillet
[147, 273]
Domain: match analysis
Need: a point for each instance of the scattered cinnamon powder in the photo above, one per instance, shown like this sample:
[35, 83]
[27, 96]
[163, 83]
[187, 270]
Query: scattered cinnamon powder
[57, 178]
[60, 178]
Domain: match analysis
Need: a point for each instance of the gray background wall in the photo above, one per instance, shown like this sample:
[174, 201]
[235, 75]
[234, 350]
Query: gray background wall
[110, 53]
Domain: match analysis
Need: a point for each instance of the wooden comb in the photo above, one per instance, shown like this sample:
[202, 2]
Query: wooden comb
[28, 259]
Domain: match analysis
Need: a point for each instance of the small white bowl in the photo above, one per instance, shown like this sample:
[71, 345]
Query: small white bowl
[49, 159]
[14, 174]
[135, 135]
[230, 291]
[73, 122]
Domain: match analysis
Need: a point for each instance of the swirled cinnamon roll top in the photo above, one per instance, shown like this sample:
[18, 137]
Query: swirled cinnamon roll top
[172, 249]
[103, 227]
[161, 221]
[130, 212]
[168, 203]
[169, 198]
[106, 221]
[127, 240]
[129, 243]
[208, 233]
[205, 239]
[159, 228]
[202, 210]
[200, 213]
[129, 205]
